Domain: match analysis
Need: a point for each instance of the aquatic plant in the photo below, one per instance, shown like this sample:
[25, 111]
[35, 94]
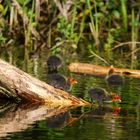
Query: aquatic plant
[56, 23]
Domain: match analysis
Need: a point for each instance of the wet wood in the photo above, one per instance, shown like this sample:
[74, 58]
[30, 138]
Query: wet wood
[18, 84]
[97, 70]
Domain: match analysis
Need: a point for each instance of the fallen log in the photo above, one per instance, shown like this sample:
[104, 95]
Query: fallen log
[97, 70]
[19, 85]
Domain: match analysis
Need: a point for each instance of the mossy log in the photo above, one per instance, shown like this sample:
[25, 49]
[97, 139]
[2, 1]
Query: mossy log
[97, 70]
[19, 85]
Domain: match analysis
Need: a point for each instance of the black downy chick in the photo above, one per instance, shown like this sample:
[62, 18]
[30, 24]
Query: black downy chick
[59, 81]
[100, 95]
[54, 78]
[53, 63]
[97, 94]
[114, 79]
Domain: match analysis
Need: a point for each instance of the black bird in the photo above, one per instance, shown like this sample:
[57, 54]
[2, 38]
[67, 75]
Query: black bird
[53, 63]
[59, 81]
[97, 94]
[114, 79]
[100, 95]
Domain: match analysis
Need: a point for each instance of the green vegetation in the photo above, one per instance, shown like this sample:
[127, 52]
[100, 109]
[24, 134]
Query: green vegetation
[102, 32]
[106, 24]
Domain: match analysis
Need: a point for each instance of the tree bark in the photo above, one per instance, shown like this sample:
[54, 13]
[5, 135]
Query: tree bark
[17, 84]
[101, 70]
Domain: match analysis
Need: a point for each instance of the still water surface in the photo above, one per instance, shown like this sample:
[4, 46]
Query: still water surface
[110, 122]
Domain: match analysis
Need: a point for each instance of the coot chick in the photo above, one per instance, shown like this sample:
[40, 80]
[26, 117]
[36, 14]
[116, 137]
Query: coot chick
[97, 94]
[60, 82]
[100, 95]
[53, 63]
[114, 79]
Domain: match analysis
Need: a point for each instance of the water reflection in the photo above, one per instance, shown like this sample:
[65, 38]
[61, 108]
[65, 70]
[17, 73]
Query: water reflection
[103, 111]
[96, 122]
[18, 117]
[46, 122]
[61, 120]
[57, 121]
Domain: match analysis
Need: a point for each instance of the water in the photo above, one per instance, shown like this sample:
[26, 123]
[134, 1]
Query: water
[111, 122]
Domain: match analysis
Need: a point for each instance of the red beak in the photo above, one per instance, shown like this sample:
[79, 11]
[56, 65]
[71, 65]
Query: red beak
[116, 98]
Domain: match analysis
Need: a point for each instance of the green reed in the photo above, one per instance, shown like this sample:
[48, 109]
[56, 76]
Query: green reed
[74, 13]
[134, 33]
[82, 25]
[102, 21]
[27, 29]
[94, 22]
[124, 14]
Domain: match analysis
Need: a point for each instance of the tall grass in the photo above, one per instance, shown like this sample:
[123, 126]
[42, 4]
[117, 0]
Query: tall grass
[82, 25]
[134, 33]
[53, 24]
[124, 13]
[74, 13]
[94, 25]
